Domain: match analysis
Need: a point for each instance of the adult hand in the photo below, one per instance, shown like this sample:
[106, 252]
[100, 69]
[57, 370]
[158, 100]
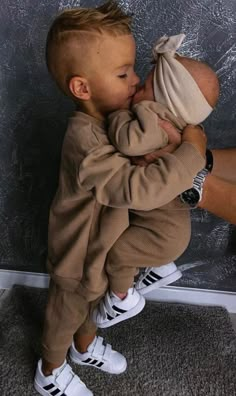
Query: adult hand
[174, 138]
[195, 135]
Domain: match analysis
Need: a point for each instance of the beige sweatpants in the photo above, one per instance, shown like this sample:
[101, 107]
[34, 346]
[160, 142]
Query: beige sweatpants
[154, 238]
[67, 313]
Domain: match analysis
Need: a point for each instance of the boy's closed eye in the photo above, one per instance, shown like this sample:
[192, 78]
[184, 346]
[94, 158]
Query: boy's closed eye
[123, 75]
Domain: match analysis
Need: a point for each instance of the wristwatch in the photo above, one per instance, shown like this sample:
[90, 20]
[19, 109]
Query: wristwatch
[194, 195]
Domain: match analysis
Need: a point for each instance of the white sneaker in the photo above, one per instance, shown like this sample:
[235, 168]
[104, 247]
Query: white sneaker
[100, 356]
[62, 382]
[156, 277]
[112, 310]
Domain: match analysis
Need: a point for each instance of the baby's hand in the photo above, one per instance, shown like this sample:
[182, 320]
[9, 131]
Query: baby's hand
[174, 134]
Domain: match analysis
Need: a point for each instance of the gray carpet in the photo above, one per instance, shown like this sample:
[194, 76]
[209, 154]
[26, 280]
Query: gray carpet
[172, 350]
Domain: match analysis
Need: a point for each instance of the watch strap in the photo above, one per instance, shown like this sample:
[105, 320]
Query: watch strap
[209, 160]
[200, 178]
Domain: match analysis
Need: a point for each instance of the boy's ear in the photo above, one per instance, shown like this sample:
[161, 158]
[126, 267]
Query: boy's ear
[79, 88]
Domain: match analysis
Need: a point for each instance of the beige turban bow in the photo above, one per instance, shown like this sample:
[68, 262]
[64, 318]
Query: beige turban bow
[173, 84]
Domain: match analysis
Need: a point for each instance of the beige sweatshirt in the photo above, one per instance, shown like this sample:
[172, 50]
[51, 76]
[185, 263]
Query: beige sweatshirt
[97, 186]
[137, 132]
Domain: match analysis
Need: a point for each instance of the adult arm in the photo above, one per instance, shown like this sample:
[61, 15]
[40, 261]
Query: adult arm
[219, 198]
[219, 193]
[224, 161]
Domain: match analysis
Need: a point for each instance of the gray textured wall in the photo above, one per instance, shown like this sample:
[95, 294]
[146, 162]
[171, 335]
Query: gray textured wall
[33, 117]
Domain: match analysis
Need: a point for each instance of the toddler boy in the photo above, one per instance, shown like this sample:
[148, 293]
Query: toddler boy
[91, 54]
[183, 91]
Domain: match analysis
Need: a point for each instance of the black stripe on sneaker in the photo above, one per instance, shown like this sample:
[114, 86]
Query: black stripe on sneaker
[146, 282]
[48, 387]
[55, 392]
[87, 360]
[119, 310]
[100, 364]
[93, 362]
[152, 279]
[155, 275]
[109, 317]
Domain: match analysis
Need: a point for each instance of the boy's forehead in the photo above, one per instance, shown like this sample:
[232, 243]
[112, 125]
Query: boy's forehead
[118, 51]
[97, 51]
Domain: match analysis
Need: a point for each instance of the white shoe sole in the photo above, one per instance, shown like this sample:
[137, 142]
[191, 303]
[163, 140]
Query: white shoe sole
[124, 316]
[160, 283]
[122, 369]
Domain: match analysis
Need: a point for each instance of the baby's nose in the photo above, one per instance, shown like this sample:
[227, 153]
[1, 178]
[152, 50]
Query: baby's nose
[139, 88]
[136, 79]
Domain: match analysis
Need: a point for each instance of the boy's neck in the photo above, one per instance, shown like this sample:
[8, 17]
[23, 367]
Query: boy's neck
[87, 108]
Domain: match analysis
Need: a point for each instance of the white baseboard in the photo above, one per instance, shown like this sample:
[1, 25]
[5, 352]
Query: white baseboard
[172, 294]
[33, 279]
[187, 295]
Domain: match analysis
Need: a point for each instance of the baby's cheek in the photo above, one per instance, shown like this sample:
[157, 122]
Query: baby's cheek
[138, 97]
[150, 94]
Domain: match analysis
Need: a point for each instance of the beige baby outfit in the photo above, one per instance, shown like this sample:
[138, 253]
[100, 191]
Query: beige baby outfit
[133, 133]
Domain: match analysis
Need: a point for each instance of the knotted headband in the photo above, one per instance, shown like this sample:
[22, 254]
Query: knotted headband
[173, 84]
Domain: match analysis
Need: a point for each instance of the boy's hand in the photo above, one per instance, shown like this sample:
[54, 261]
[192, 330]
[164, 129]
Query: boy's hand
[144, 160]
[195, 135]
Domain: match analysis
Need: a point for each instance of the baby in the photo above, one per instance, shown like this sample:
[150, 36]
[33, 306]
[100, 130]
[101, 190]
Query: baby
[183, 91]
[179, 89]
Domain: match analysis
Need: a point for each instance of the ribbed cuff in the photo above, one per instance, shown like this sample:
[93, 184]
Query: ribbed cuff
[190, 158]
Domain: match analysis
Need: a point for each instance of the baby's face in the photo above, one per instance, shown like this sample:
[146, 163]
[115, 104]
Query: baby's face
[145, 91]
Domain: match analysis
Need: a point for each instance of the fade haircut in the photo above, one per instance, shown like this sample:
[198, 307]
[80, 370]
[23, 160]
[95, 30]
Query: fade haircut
[81, 25]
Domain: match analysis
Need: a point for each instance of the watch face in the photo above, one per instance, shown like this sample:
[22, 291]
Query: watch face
[191, 197]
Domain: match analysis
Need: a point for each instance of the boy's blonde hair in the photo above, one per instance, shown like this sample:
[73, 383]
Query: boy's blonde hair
[76, 25]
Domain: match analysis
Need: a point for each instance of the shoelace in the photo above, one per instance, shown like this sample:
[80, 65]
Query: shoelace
[144, 274]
